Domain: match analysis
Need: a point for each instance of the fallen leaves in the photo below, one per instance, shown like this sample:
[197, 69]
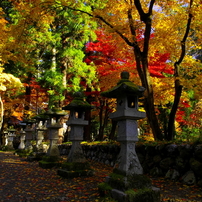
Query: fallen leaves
[177, 191]
[25, 181]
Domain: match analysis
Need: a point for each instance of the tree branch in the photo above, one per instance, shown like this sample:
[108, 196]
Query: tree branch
[106, 22]
[183, 42]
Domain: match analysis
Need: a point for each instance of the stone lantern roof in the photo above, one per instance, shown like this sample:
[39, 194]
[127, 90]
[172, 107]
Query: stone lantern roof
[78, 103]
[54, 112]
[124, 87]
[41, 117]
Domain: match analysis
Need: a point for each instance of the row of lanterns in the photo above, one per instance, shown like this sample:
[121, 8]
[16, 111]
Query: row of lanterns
[126, 114]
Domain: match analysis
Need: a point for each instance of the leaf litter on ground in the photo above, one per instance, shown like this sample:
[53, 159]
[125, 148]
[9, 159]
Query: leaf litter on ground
[23, 181]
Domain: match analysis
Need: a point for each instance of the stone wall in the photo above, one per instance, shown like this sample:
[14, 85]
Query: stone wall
[176, 162]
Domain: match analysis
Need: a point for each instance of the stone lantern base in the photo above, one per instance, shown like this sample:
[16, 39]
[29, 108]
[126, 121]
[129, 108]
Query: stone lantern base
[132, 188]
[75, 169]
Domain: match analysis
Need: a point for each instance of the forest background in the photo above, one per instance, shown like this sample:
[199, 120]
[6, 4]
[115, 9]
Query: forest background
[50, 49]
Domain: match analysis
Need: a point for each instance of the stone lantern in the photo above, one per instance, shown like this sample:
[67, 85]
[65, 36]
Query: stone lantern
[22, 135]
[53, 126]
[29, 133]
[41, 128]
[76, 122]
[5, 138]
[11, 135]
[128, 170]
[127, 114]
[22, 139]
[76, 164]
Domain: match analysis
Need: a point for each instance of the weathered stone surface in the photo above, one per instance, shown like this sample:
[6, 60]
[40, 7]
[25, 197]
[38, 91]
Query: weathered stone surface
[118, 195]
[172, 174]
[189, 178]
[128, 160]
[156, 172]
[196, 166]
[172, 150]
[157, 159]
[185, 151]
[181, 164]
[166, 163]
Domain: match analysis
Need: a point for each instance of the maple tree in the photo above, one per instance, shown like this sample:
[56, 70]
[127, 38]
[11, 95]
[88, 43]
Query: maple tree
[172, 24]
[157, 39]
[110, 61]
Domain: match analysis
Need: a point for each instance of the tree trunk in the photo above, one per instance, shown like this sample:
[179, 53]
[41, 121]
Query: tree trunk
[171, 123]
[113, 130]
[178, 86]
[87, 128]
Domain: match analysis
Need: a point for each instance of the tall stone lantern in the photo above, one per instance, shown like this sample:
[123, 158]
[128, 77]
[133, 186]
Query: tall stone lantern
[76, 164]
[128, 174]
[53, 126]
[127, 114]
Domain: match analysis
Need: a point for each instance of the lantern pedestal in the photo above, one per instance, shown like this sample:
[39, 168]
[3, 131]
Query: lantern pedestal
[39, 139]
[53, 131]
[28, 138]
[52, 157]
[22, 140]
[11, 135]
[5, 138]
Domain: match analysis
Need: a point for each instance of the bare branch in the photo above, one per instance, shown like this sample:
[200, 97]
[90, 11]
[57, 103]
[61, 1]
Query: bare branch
[183, 42]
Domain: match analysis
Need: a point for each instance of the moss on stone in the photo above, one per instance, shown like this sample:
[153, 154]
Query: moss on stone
[141, 195]
[23, 153]
[78, 103]
[50, 162]
[51, 158]
[117, 181]
[139, 181]
[75, 166]
[120, 181]
[48, 165]
[75, 169]
[69, 174]
[104, 189]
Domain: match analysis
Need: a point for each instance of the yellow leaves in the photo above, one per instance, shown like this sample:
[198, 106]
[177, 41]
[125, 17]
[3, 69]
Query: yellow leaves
[8, 81]
[163, 90]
